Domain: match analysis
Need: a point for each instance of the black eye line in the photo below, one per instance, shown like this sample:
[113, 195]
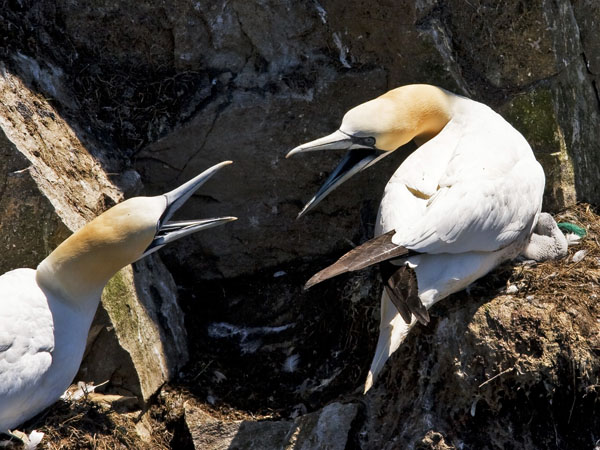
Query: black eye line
[368, 141]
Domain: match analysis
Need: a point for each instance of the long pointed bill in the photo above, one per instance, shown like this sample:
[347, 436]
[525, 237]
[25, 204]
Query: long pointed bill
[337, 140]
[169, 231]
[353, 162]
[172, 231]
[180, 195]
[362, 154]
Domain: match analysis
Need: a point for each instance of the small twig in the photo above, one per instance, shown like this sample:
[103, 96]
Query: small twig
[574, 389]
[206, 366]
[496, 376]
[555, 430]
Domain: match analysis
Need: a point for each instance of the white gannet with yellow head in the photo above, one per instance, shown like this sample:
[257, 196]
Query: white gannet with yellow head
[465, 201]
[45, 314]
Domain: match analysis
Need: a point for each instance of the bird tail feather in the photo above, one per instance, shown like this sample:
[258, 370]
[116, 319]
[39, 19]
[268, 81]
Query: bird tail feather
[392, 332]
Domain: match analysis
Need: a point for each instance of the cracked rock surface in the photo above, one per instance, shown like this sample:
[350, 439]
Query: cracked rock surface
[164, 90]
[199, 82]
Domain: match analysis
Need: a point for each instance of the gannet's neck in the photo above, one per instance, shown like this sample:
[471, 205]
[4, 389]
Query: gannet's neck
[79, 268]
[425, 110]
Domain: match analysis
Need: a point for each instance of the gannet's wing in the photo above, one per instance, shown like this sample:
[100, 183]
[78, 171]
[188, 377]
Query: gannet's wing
[26, 340]
[400, 283]
[471, 215]
[477, 213]
[371, 252]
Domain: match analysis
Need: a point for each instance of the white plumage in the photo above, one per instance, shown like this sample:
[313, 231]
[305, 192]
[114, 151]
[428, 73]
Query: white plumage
[466, 200]
[45, 314]
[37, 364]
[485, 195]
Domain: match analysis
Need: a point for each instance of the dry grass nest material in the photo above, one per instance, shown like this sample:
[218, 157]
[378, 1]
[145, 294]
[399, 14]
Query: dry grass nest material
[564, 306]
[576, 279]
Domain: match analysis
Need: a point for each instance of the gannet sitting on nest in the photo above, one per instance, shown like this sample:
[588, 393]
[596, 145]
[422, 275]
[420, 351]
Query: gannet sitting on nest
[45, 314]
[466, 200]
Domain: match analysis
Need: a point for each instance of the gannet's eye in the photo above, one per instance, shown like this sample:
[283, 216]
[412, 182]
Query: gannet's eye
[370, 140]
[367, 141]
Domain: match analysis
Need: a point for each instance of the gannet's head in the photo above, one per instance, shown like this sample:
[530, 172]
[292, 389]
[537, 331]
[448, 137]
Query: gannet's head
[374, 129]
[120, 236]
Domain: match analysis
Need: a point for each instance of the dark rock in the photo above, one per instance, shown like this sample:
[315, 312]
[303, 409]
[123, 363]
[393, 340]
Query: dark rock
[493, 373]
[326, 429]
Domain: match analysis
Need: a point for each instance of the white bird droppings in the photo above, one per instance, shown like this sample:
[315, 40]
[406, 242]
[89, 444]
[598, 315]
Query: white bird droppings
[579, 255]
[219, 376]
[512, 289]
[249, 337]
[291, 363]
[343, 50]
[321, 11]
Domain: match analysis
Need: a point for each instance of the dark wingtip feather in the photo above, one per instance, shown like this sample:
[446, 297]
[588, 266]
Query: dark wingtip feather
[312, 281]
[371, 252]
[325, 274]
[422, 316]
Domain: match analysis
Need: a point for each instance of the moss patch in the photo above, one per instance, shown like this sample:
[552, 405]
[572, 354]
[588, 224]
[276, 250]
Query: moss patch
[114, 299]
[533, 115]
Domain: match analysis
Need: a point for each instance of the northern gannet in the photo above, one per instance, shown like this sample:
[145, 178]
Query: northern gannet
[465, 201]
[45, 314]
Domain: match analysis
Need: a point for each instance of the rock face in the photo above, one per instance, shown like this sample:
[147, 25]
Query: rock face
[51, 185]
[173, 88]
[197, 83]
[325, 429]
[39, 152]
[479, 383]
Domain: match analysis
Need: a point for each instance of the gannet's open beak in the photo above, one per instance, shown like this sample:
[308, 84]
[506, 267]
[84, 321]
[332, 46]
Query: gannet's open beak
[169, 231]
[362, 153]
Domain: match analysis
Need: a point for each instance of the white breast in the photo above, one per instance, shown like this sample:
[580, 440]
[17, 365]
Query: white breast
[36, 365]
